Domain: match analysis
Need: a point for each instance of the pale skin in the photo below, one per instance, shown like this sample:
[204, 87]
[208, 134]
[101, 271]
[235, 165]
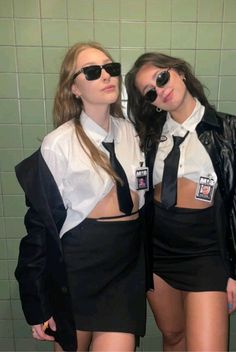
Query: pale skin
[189, 321]
[97, 96]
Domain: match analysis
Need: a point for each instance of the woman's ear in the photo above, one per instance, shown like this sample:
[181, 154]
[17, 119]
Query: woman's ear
[75, 90]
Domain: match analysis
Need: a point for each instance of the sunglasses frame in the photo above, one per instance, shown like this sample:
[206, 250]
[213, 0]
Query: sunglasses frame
[152, 93]
[112, 65]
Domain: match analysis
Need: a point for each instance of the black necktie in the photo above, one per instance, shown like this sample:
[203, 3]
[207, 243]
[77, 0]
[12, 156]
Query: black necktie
[123, 191]
[169, 179]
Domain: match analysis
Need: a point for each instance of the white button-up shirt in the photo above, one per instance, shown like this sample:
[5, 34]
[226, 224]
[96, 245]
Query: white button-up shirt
[194, 159]
[81, 184]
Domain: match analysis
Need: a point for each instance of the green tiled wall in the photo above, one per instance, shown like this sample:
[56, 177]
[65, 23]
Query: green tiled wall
[34, 35]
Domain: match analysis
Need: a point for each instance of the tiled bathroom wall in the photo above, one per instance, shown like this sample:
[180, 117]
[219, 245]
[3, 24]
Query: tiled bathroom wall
[34, 35]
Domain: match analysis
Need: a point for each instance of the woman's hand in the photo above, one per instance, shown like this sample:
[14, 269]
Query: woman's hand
[38, 331]
[231, 294]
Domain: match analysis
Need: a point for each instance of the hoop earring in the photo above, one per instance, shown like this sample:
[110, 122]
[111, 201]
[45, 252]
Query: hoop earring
[158, 109]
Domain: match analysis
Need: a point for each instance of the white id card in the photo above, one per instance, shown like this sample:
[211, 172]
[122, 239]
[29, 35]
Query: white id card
[205, 189]
[142, 178]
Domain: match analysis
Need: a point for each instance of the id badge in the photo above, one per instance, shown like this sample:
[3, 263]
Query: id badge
[205, 189]
[142, 178]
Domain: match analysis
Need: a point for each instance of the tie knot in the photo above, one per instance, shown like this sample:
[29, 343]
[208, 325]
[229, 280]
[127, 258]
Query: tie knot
[109, 146]
[178, 140]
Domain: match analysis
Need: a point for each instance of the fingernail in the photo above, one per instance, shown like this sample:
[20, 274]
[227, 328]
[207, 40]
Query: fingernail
[230, 305]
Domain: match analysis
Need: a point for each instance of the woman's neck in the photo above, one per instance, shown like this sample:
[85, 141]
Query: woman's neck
[100, 115]
[185, 109]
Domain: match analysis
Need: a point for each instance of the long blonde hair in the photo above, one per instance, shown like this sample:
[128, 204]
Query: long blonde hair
[67, 107]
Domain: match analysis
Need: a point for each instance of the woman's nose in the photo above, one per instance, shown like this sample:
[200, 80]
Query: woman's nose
[105, 75]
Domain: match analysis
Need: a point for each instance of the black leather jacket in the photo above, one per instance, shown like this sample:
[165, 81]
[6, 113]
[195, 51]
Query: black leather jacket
[217, 133]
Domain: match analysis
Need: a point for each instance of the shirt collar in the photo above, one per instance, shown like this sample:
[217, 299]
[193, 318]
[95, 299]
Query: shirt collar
[96, 133]
[175, 128]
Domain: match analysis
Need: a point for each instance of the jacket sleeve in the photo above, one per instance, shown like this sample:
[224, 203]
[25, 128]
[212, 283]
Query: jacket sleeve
[31, 270]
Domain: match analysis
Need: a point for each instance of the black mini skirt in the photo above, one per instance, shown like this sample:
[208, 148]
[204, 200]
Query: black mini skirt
[106, 275]
[185, 249]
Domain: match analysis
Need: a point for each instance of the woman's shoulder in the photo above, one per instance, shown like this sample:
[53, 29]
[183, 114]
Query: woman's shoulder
[59, 136]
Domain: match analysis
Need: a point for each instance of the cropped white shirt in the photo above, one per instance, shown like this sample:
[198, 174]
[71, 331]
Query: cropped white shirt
[194, 160]
[82, 185]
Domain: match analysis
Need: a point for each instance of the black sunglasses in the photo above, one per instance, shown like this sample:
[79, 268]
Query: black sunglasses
[94, 71]
[162, 78]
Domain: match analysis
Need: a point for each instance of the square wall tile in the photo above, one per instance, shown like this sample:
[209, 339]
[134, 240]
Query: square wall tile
[9, 158]
[21, 328]
[207, 62]
[4, 290]
[228, 88]
[7, 32]
[158, 34]
[2, 229]
[210, 10]
[14, 227]
[6, 329]
[107, 33]
[30, 59]
[53, 8]
[7, 344]
[128, 56]
[228, 63]
[33, 136]
[14, 206]
[26, 8]
[106, 9]
[80, 9]
[12, 263]
[209, 35]
[17, 312]
[3, 249]
[52, 58]
[229, 35]
[8, 85]
[10, 184]
[158, 10]
[132, 10]
[186, 31]
[51, 81]
[6, 8]
[55, 32]
[229, 11]
[184, 10]
[28, 32]
[25, 344]
[8, 59]
[14, 290]
[212, 86]
[3, 272]
[10, 136]
[32, 111]
[31, 85]
[80, 31]
[9, 111]
[13, 248]
[132, 34]
[227, 106]
[5, 310]
[187, 55]
[49, 108]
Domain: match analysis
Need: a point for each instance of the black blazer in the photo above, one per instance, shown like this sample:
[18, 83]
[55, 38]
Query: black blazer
[41, 270]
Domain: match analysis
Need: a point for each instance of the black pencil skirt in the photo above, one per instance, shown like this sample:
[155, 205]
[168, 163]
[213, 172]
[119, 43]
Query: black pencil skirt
[186, 251]
[106, 274]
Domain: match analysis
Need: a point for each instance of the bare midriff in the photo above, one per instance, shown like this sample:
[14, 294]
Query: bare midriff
[109, 207]
[186, 190]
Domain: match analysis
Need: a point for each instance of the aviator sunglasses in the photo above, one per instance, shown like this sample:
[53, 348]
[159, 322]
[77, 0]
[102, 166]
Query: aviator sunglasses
[93, 72]
[162, 78]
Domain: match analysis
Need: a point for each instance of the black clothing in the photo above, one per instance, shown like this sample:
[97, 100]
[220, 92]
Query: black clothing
[217, 132]
[107, 286]
[185, 250]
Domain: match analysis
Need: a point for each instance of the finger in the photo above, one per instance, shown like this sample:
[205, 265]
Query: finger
[39, 334]
[52, 324]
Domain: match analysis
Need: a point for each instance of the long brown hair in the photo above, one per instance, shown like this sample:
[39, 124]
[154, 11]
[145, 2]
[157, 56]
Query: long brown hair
[67, 106]
[143, 114]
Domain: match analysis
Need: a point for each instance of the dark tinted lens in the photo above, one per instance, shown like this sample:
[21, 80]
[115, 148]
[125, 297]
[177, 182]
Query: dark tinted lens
[151, 95]
[162, 78]
[113, 69]
[92, 72]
